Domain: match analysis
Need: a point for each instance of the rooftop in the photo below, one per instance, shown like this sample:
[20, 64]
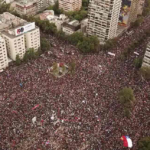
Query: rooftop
[25, 2]
[7, 20]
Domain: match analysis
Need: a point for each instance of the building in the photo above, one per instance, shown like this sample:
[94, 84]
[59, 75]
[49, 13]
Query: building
[84, 24]
[141, 7]
[26, 7]
[129, 11]
[103, 18]
[19, 36]
[71, 27]
[52, 18]
[146, 59]
[70, 5]
[133, 11]
[52, 2]
[6, 1]
[3, 54]
[42, 4]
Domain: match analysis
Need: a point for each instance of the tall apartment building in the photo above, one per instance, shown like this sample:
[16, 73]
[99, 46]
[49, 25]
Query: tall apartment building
[19, 35]
[3, 54]
[146, 59]
[70, 5]
[103, 18]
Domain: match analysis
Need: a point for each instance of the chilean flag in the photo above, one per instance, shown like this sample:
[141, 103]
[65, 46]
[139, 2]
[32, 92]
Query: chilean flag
[127, 142]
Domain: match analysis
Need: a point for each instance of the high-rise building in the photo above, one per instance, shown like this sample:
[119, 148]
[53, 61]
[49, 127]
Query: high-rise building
[103, 18]
[70, 5]
[19, 35]
[3, 54]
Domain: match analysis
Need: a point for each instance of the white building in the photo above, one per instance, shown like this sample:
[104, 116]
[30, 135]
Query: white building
[7, 1]
[42, 4]
[146, 60]
[20, 36]
[71, 27]
[26, 7]
[103, 18]
[52, 18]
[70, 5]
[84, 24]
[3, 54]
[52, 2]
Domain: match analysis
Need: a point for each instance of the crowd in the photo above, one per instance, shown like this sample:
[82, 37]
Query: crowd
[79, 111]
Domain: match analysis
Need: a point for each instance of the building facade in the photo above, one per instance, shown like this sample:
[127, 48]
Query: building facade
[133, 11]
[103, 18]
[3, 54]
[26, 7]
[146, 59]
[19, 37]
[70, 5]
[42, 4]
[71, 27]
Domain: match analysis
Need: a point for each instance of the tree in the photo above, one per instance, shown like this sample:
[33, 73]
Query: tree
[45, 45]
[72, 67]
[55, 68]
[85, 46]
[109, 44]
[4, 7]
[76, 37]
[137, 22]
[144, 143]
[61, 35]
[138, 62]
[126, 97]
[85, 3]
[145, 71]
[18, 60]
[88, 45]
[56, 9]
[29, 55]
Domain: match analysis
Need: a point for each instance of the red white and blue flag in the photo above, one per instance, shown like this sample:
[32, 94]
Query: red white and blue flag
[127, 142]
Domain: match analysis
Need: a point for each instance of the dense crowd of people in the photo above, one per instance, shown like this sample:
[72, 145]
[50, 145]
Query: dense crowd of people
[79, 111]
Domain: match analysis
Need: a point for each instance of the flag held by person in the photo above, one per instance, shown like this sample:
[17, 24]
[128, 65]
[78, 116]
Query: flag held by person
[127, 142]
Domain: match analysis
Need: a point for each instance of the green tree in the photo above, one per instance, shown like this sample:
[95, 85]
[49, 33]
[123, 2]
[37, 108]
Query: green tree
[76, 37]
[138, 62]
[145, 71]
[55, 68]
[137, 22]
[88, 45]
[18, 60]
[29, 55]
[72, 66]
[85, 3]
[45, 45]
[144, 143]
[61, 35]
[4, 7]
[109, 44]
[56, 9]
[126, 97]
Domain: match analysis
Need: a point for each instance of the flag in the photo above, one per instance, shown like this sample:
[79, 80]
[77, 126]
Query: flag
[127, 142]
